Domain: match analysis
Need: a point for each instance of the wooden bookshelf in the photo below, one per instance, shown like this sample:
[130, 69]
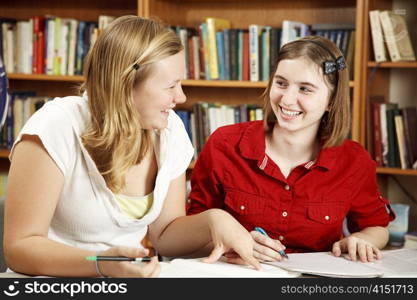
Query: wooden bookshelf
[395, 171]
[390, 64]
[202, 83]
[44, 77]
[395, 81]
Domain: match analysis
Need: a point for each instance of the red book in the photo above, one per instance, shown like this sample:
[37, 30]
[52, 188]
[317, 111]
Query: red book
[38, 52]
[377, 141]
[245, 63]
[190, 58]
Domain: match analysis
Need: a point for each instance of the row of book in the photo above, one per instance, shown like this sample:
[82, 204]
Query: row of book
[390, 34]
[214, 50]
[22, 105]
[394, 138]
[204, 118]
[47, 44]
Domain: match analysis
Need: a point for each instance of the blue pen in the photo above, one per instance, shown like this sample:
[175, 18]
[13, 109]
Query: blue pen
[281, 252]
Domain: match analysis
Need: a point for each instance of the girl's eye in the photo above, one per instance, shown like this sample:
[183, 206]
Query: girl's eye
[281, 83]
[306, 90]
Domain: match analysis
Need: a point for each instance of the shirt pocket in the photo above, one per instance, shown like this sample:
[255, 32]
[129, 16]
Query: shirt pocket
[323, 225]
[248, 209]
[326, 213]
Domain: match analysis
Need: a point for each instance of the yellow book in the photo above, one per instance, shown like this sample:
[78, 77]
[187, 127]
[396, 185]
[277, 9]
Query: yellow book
[214, 25]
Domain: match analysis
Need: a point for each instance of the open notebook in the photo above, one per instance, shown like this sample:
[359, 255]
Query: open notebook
[394, 263]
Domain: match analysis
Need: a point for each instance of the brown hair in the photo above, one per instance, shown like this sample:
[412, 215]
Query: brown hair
[120, 59]
[335, 123]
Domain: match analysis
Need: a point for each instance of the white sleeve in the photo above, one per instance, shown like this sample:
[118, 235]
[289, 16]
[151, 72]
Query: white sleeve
[54, 128]
[181, 147]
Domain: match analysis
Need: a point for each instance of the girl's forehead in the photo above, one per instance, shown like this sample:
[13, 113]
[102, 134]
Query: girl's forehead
[300, 69]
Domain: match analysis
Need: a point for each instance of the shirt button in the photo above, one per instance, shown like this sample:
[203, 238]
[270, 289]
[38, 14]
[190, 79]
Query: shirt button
[284, 214]
[242, 207]
[287, 187]
[188, 201]
[327, 218]
[281, 238]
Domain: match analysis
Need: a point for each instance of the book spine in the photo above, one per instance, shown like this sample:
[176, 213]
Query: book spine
[226, 52]
[245, 58]
[377, 37]
[220, 54]
[254, 52]
[410, 133]
[213, 62]
[389, 35]
[399, 129]
[377, 133]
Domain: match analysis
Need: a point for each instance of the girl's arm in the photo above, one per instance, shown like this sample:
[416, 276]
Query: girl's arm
[34, 185]
[175, 234]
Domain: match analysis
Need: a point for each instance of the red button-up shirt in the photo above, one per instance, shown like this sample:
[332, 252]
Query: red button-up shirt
[304, 211]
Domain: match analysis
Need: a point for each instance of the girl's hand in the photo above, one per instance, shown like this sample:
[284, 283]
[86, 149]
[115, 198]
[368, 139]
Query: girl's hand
[127, 268]
[229, 235]
[264, 249]
[354, 247]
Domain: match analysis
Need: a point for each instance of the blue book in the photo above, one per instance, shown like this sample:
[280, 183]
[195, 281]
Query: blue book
[4, 95]
[220, 54]
[185, 118]
[79, 56]
[227, 60]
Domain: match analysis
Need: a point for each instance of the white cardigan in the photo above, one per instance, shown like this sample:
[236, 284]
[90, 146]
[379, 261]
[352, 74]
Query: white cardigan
[87, 215]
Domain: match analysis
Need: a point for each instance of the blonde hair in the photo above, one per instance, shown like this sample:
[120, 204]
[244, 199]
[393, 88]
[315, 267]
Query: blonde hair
[121, 59]
[335, 123]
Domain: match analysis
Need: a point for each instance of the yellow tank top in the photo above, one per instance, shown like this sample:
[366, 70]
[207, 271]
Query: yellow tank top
[135, 207]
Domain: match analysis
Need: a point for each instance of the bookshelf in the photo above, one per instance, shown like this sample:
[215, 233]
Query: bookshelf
[395, 81]
[191, 13]
[387, 79]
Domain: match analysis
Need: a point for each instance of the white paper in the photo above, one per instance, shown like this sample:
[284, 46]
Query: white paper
[191, 268]
[394, 263]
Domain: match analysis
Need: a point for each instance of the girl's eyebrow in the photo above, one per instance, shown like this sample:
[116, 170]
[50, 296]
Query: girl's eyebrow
[302, 83]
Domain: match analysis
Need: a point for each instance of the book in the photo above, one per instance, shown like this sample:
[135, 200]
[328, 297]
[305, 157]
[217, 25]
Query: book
[399, 128]
[292, 30]
[396, 36]
[377, 144]
[394, 263]
[255, 34]
[410, 240]
[214, 25]
[377, 36]
[393, 151]
[410, 132]
[4, 95]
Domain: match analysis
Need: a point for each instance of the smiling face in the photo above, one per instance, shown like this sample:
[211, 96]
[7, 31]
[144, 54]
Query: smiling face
[299, 96]
[160, 92]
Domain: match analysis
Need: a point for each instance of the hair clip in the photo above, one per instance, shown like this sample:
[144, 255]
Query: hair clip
[331, 66]
[136, 66]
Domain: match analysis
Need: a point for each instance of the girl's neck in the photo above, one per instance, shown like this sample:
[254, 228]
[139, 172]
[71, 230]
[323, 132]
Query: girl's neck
[293, 146]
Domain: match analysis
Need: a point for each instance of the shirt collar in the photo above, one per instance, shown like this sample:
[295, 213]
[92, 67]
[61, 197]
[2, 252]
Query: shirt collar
[252, 144]
[327, 157]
